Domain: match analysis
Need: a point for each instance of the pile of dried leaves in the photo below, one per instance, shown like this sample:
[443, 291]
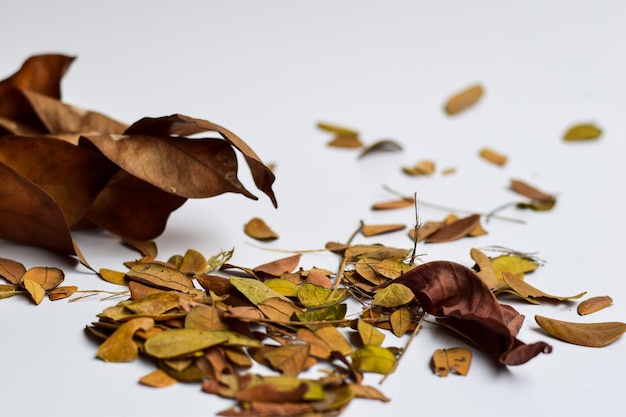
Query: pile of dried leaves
[63, 168]
[206, 320]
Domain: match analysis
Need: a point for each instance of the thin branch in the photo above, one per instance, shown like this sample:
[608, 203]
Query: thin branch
[344, 261]
[418, 327]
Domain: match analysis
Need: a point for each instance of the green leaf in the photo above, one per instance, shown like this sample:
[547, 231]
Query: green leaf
[177, 342]
[334, 312]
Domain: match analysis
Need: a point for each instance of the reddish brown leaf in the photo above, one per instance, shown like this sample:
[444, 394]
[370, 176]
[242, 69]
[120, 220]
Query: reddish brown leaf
[531, 192]
[464, 303]
[40, 73]
[278, 267]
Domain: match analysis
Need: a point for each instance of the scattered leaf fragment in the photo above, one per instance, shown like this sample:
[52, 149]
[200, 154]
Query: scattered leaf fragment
[530, 191]
[369, 230]
[256, 228]
[158, 379]
[593, 304]
[59, 293]
[422, 168]
[494, 157]
[336, 129]
[581, 132]
[456, 359]
[393, 204]
[583, 334]
[455, 230]
[464, 99]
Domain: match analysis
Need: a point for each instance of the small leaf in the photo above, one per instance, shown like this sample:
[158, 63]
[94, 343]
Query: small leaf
[204, 317]
[335, 339]
[34, 288]
[45, 276]
[333, 312]
[371, 358]
[11, 270]
[193, 263]
[493, 156]
[584, 334]
[59, 293]
[256, 228]
[7, 291]
[527, 291]
[160, 276]
[455, 230]
[144, 247]
[593, 304]
[457, 359]
[336, 129]
[422, 168]
[283, 287]
[343, 141]
[114, 277]
[278, 267]
[584, 131]
[400, 321]
[278, 309]
[369, 334]
[394, 204]
[530, 191]
[463, 100]
[379, 229]
[158, 379]
[369, 392]
[393, 295]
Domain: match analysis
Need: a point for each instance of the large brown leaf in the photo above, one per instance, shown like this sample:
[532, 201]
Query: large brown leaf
[40, 73]
[132, 208]
[181, 125]
[30, 216]
[72, 175]
[463, 302]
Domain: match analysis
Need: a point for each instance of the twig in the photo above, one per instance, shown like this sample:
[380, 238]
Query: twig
[344, 261]
[90, 293]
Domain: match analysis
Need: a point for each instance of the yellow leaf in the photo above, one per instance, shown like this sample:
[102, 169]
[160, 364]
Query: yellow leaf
[283, 287]
[369, 334]
[393, 295]
[178, 342]
[311, 295]
[290, 360]
[584, 131]
[493, 156]
[34, 288]
[457, 359]
[372, 358]
[400, 321]
[527, 291]
[46, 277]
[335, 339]
[114, 277]
[193, 263]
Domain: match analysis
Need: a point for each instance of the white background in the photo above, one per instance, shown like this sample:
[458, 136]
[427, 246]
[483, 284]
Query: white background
[269, 70]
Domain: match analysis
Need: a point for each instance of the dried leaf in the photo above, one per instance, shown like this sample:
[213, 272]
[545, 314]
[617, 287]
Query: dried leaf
[35, 289]
[336, 129]
[394, 204]
[290, 360]
[343, 141]
[455, 230]
[369, 334]
[393, 295]
[311, 295]
[160, 276]
[463, 302]
[391, 268]
[178, 342]
[278, 309]
[580, 132]
[385, 145]
[584, 334]
[372, 358]
[114, 277]
[593, 304]
[283, 287]
[256, 228]
[7, 291]
[278, 267]
[205, 318]
[530, 293]
[254, 290]
[59, 293]
[193, 263]
[120, 346]
[369, 392]
[531, 192]
[11, 271]
[46, 277]
[421, 168]
[158, 379]
[493, 156]
[318, 347]
[400, 321]
[333, 312]
[463, 100]
[375, 230]
[457, 359]
[335, 339]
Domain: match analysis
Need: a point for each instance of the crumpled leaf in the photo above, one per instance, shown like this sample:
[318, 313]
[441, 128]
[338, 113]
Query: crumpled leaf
[463, 302]
[584, 334]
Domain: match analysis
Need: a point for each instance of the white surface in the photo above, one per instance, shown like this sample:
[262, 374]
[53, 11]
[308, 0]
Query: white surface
[269, 71]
